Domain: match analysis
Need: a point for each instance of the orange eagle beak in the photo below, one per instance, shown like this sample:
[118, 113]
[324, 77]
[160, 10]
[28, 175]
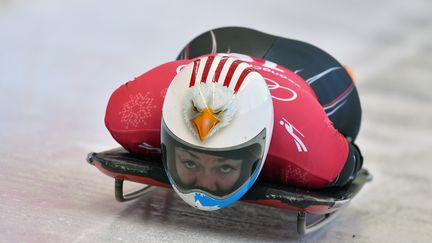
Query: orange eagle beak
[204, 122]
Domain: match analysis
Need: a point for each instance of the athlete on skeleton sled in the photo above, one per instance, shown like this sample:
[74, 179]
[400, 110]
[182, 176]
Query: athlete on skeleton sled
[286, 111]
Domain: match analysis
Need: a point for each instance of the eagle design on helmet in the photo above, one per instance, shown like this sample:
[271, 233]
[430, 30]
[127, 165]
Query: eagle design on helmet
[210, 103]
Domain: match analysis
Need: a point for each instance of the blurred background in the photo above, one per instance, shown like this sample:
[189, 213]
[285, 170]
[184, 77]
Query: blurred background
[61, 60]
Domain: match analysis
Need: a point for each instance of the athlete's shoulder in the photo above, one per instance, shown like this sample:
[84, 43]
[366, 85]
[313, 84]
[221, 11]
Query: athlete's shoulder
[133, 113]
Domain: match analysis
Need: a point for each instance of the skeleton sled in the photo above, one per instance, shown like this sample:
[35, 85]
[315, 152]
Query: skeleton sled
[124, 166]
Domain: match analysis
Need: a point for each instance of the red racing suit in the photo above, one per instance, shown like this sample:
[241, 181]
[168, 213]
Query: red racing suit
[305, 150]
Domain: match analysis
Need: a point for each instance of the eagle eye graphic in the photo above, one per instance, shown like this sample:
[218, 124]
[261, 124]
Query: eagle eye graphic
[194, 109]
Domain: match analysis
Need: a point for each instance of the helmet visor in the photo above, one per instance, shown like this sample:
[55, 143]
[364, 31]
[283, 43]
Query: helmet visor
[216, 172]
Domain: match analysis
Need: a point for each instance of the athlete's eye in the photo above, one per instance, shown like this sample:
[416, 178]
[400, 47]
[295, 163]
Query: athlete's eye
[190, 164]
[225, 169]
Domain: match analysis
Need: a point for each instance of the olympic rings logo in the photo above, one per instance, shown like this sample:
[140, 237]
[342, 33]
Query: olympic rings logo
[273, 85]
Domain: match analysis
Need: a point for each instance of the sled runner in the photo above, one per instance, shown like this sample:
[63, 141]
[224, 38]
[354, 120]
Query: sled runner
[122, 165]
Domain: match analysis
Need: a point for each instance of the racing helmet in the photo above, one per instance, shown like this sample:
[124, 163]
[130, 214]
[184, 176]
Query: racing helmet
[217, 122]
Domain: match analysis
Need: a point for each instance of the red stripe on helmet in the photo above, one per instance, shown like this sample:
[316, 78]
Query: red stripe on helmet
[194, 72]
[207, 68]
[242, 77]
[230, 72]
[219, 69]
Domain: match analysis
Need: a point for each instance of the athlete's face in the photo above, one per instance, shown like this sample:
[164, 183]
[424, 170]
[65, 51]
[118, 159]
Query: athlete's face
[207, 172]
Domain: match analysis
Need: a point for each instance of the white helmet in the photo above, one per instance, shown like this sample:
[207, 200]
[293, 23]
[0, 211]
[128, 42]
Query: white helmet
[217, 122]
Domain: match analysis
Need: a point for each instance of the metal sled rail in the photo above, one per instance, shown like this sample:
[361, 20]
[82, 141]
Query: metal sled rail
[121, 165]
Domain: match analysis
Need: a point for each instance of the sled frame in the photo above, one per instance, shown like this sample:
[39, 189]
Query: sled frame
[116, 156]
